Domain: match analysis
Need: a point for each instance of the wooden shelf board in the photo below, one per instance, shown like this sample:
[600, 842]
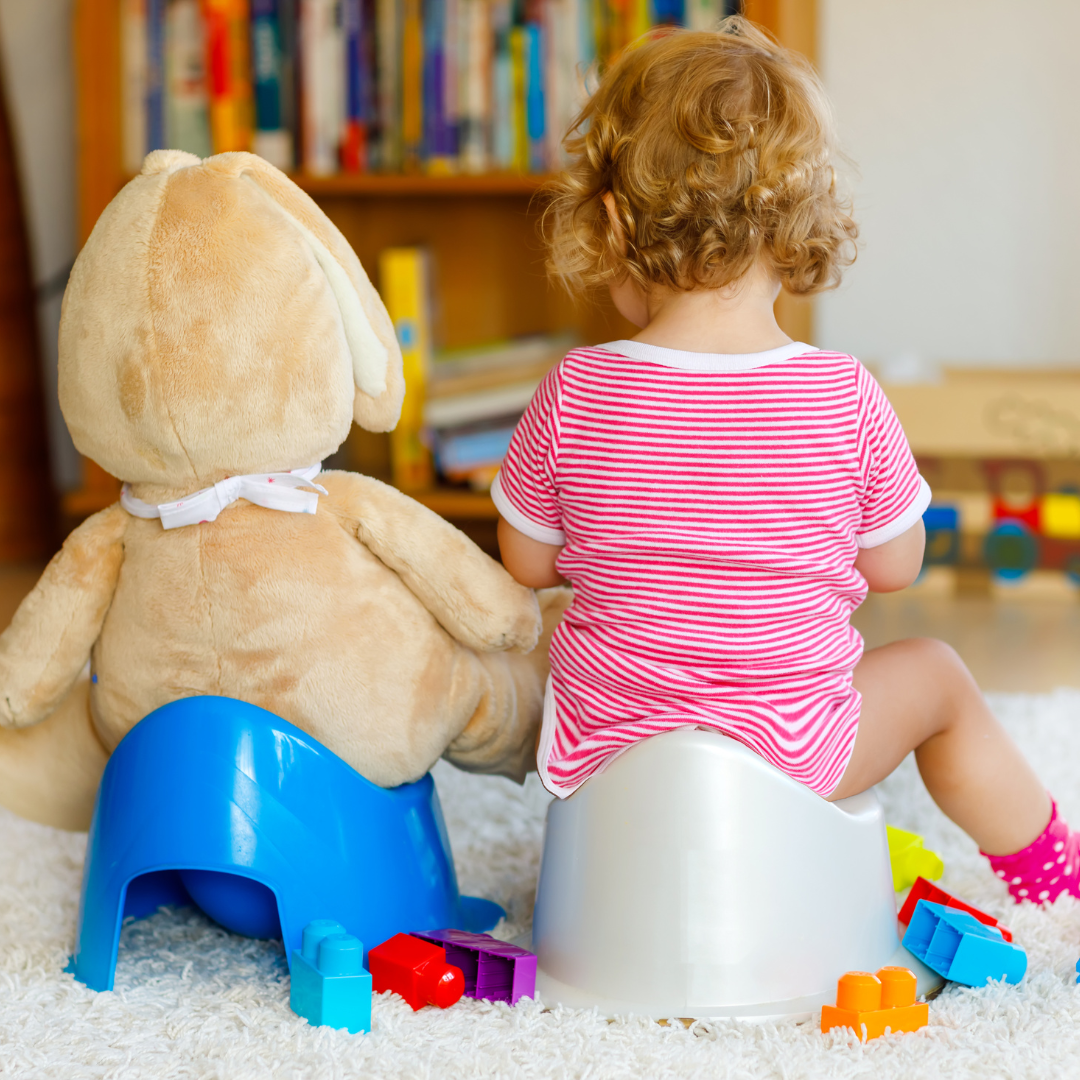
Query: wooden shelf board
[458, 503]
[421, 184]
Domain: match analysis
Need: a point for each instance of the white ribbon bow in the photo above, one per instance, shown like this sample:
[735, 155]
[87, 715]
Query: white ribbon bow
[275, 491]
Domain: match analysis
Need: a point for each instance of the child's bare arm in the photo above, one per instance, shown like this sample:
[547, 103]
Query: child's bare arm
[895, 564]
[529, 561]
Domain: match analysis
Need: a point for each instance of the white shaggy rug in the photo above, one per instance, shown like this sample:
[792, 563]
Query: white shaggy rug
[193, 1001]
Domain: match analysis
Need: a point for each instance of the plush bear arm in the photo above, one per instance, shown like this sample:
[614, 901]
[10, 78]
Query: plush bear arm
[49, 640]
[473, 598]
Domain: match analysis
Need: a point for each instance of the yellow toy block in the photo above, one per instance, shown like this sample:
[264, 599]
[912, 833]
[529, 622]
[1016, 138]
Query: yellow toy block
[868, 1004]
[1059, 515]
[910, 859]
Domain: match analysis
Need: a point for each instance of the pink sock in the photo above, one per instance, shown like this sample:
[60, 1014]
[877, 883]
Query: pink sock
[1047, 867]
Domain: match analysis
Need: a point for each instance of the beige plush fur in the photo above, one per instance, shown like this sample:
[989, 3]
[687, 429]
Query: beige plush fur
[208, 331]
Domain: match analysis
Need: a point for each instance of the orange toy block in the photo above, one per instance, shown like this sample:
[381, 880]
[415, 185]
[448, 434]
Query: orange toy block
[868, 1004]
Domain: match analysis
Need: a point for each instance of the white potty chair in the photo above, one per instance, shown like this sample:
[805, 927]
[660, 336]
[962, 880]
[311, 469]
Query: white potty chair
[694, 879]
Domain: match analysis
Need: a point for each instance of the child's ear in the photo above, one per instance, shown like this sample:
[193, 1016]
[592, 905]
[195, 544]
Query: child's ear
[613, 217]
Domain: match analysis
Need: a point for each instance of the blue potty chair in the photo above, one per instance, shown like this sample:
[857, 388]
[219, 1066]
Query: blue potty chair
[219, 803]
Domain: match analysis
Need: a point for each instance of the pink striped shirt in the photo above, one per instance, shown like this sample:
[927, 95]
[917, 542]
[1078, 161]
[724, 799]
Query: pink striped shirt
[711, 508]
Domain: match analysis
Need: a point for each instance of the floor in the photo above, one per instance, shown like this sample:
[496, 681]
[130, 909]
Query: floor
[1024, 640]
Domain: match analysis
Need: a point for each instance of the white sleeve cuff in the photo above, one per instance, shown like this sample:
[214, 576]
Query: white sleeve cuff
[541, 533]
[884, 533]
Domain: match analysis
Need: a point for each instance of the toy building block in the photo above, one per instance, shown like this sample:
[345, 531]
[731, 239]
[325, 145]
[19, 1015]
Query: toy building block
[923, 890]
[958, 946]
[330, 987]
[870, 1004]
[910, 859]
[417, 970]
[494, 970]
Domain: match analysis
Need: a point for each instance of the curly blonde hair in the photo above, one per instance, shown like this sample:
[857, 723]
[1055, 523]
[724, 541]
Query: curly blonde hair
[718, 149]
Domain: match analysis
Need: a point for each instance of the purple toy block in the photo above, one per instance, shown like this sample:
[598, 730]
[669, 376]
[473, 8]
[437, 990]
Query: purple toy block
[493, 969]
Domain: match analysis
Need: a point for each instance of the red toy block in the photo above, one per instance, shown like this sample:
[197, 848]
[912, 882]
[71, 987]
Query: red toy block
[417, 970]
[924, 890]
[868, 1004]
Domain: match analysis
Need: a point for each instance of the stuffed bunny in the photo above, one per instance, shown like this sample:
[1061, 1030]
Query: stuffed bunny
[219, 336]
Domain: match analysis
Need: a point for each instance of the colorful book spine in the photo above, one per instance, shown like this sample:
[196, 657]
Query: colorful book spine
[404, 286]
[133, 59]
[323, 84]
[354, 137]
[412, 85]
[395, 85]
[439, 143]
[454, 60]
[389, 26]
[667, 13]
[227, 29]
[704, 14]
[474, 82]
[519, 127]
[155, 75]
[534, 95]
[272, 138]
[187, 119]
[502, 87]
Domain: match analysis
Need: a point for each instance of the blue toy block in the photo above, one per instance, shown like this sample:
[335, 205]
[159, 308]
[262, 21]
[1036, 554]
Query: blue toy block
[962, 949]
[222, 804]
[330, 987]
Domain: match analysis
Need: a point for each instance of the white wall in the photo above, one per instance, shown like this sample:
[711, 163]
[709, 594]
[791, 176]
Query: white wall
[963, 118]
[35, 36]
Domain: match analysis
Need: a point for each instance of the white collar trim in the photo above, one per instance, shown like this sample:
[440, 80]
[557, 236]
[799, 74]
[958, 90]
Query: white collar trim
[697, 361]
[274, 491]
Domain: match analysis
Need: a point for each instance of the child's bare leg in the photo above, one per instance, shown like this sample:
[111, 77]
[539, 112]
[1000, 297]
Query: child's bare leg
[918, 695]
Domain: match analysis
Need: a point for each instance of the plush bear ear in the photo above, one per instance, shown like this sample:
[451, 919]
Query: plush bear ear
[167, 161]
[374, 353]
[370, 357]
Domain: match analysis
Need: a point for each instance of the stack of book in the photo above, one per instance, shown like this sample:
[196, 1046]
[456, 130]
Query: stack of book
[440, 86]
[461, 406]
[475, 397]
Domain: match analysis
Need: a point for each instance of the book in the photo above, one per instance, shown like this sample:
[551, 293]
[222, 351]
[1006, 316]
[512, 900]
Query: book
[500, 357]
[534, 49]
[412, 85]
[519, 127]
[229, 74]
[187, 115]
[155, 75]
[133, 88]
[474, 79]
[442, 388]
[473, 454]
[388, 48]
[272, 138]
[358, 19]
[439, 146]
[396, 85]
[404, 284]
[705, 14]
[323, 81]
[502, 87]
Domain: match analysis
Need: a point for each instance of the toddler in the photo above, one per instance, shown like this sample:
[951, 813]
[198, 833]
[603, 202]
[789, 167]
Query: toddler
[721, 497]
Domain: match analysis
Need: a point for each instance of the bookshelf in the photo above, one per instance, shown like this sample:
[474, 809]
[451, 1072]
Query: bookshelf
[480, 229]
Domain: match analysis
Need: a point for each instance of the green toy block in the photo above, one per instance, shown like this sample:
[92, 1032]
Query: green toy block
[910, 859]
